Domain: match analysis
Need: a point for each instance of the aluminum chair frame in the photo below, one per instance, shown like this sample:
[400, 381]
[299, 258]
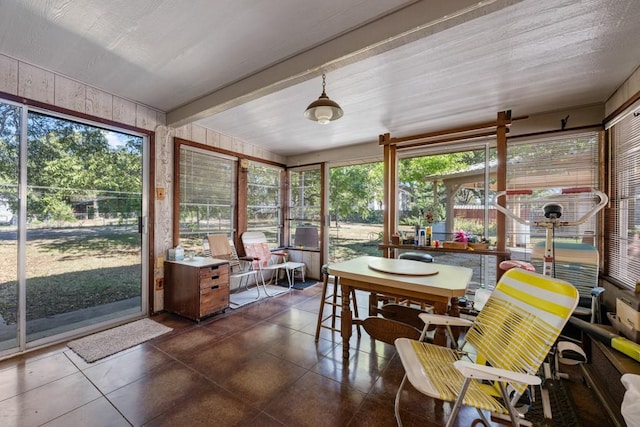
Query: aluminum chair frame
[511, 338]
[219, 246]
[256, 247]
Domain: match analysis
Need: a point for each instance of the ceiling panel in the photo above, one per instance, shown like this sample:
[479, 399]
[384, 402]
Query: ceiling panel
[249, 68]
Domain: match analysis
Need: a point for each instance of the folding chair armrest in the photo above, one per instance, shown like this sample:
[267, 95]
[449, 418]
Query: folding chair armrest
[443, 319]
[483, 372]
[279, 253]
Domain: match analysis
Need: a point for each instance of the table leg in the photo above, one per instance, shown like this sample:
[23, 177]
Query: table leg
[373, 304]
[454, 310]
[440, 337]
[346, 321]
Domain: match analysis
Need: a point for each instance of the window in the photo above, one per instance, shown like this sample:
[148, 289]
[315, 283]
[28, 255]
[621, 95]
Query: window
[444, 186]
[207, 198]
[447, 191]
[623, 227]
[263, 201]
[546, 166]
[305, 207]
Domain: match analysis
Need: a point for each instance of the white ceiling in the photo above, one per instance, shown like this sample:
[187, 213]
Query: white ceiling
[249, 68]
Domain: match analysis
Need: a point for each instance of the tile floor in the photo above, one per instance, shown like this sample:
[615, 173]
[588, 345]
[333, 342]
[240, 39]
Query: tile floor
[256, 366]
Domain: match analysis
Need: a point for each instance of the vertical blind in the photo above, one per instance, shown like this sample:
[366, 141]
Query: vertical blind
[623, 227]
[547, 166]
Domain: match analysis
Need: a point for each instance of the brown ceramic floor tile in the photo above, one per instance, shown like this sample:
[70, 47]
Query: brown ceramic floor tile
[231, 323]
[172, 320]
[188, 341]
[255, 366]
[361, 372]
[296, 297]
[47, 402]
[262, 379]
[211, 406]
[301, 349]
[373, 413]
[162, 392]
[34, 373]
[129, 367]
[312, 305]
[32, 356]
[98, 413]
[295, 318]
[316, 401]
[263, 334]
[221, 360]
[263, 309]
[261, 420]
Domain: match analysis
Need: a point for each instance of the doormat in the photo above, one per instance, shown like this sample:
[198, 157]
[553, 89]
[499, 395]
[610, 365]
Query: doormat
[304, 285]
[239, 299]
[98, 346]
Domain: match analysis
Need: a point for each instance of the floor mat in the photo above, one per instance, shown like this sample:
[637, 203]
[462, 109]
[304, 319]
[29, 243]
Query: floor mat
[97, 346]
[304, 285]
[239, 299]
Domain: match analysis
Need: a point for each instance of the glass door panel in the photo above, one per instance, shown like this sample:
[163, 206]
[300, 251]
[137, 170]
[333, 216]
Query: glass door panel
[9, 174]
[83, 240]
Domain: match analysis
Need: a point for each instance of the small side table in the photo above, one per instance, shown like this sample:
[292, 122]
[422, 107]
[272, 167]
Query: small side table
[291, 268]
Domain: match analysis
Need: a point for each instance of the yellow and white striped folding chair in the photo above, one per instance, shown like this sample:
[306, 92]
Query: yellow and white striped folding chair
[511, 337]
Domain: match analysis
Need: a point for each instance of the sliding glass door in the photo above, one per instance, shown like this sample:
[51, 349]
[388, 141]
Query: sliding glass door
[10, 124]
[77, 242]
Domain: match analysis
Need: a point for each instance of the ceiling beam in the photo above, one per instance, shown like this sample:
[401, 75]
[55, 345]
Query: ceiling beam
[416, 21]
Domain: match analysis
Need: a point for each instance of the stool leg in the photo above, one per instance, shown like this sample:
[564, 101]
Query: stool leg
[325, 283]
[335, 302]
[355, 310]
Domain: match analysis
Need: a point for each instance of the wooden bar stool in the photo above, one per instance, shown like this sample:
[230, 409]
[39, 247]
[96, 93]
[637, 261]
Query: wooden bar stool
[335, 301]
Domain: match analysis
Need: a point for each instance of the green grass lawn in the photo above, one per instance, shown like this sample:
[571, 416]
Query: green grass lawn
[68, 271]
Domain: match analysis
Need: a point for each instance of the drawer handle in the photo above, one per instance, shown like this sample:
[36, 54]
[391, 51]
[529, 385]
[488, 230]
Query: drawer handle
[215, 287]
[215, 277]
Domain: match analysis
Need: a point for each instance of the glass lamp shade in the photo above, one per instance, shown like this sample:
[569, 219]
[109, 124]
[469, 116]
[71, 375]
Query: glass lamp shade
[323, 110]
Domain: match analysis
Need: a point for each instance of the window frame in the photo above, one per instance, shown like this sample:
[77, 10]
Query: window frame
[290, 228]
[276, 207]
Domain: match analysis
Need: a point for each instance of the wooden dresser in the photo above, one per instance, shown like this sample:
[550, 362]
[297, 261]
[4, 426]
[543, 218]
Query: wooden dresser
[196, 288]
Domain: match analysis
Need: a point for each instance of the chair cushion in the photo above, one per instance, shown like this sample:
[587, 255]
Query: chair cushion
[416, 256]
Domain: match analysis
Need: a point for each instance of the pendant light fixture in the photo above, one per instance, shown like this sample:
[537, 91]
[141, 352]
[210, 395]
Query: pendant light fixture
[323, 110]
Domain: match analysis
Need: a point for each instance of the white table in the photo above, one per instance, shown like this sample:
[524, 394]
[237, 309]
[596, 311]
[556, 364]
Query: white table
[291, 267]
[403, 280]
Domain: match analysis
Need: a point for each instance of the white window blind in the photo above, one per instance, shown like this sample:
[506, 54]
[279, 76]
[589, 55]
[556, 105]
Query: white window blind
[623, 228]
[206, 193]
[546, 166]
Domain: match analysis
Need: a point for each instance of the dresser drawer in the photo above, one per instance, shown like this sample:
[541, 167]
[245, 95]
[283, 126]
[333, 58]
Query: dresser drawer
[214, 270]
[210, 277]
[214, 299]
[214, 280]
